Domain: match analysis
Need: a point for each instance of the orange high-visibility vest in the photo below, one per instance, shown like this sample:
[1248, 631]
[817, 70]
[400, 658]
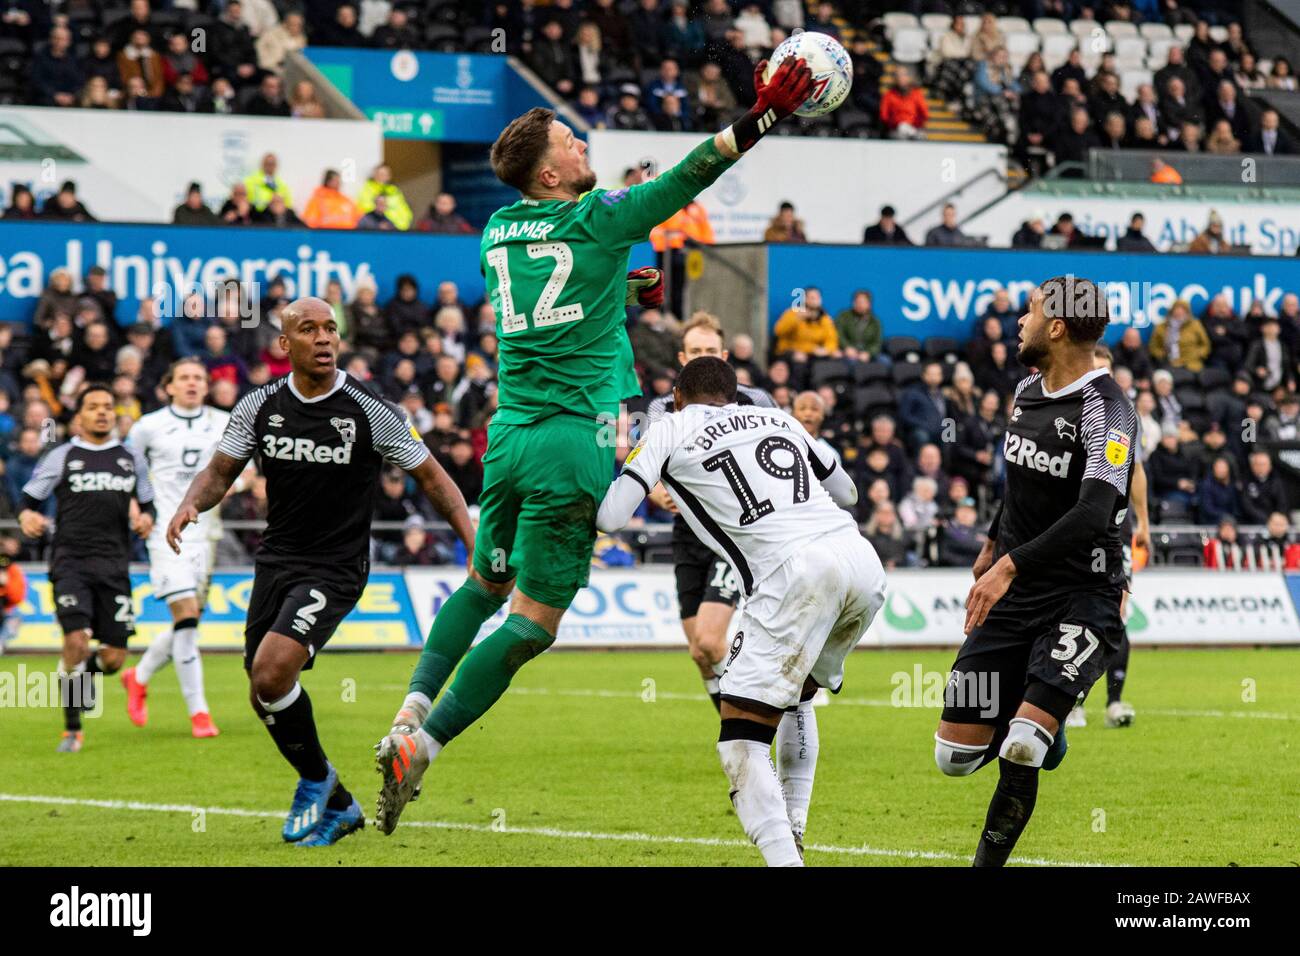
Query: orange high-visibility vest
[691, 222]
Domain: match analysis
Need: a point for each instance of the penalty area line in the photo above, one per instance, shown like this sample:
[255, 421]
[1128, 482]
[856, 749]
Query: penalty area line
[546, 832]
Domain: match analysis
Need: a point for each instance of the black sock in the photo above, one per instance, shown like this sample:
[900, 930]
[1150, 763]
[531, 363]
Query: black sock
[1116, 672]
[1009, 811]
[71, 690]
[340, 799]
[294, 732]
[93, 666]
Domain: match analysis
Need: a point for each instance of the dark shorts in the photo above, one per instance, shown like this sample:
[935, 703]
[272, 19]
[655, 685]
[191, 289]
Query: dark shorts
[1046, 651]
[94, 594]
[304, 603]
[701, 575]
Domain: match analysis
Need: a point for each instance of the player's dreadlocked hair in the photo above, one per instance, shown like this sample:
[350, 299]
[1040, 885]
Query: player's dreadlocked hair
[1079, 303]
[707, 377]
[521, 146]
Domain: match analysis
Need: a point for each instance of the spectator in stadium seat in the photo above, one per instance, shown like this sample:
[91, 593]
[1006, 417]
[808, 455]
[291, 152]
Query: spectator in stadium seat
[588, 107]
[1164, 174]
[1172, 472]
[139, 59]
[329, 207]
[784, 227]
[96, 95]
[867, 72]
[1144, 135]
[396, 33]
[1177, 67]
[806, 330]
[980, 347]
[1130, 353]
[960, 394]
[64, 205]
[1181, 340]
[616, 37]
[997, 89]
[859, 329]
[1214, 70]
[1284, 425]
[903, 111]
[1216, 495]
[1211, 240]
[1281, 77]
[1071, 69]
[1177, 109]
[823, 20]
[194, 211]
[947, 233]
[712, 98]
[922, 408]
[654, 344]
[1002, 372]
[593, 60]
[22, 204]
[1277, 550]
[1114, 131]
[1230, 337]
[1288, 317]
[977, 440]
[266, 182]
[1226, 108]
[1168, 408]
[97, 292]
[919, 509]
[278, 42]
[259, 16]
[185, 97]
[886, 536]
[21, 462]
[237, 210]
[278, 215]
[102, 62]
[671, 118]
[951, 66]
[646, 24]
[367, 323]
[341, 31]
[1072, 142]
[305, 103]
[178, 58]
[627, 113]
[1270, 139]
[1039, 117]
[442, 217]
[1133, 239]
[667, 83]
[1031, 231]
[1224, 551]
[960, 541]
[1269, 359]
[405, 310]
[682, 37]
[269, 99]
[56, 76]
[380, 183]
[886, 232]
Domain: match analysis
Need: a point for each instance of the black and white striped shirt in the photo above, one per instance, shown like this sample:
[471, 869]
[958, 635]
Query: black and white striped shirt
[321, 457]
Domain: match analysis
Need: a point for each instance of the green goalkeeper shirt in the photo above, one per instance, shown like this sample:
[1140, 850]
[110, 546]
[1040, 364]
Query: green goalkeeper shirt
[556, 274]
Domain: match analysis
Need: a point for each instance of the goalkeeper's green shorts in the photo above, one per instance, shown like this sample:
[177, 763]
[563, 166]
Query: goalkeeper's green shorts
[542, 485]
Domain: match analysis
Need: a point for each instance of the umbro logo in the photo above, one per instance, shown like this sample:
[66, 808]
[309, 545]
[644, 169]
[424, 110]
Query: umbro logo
[1065, 429]
[275, 421]
[76, 465]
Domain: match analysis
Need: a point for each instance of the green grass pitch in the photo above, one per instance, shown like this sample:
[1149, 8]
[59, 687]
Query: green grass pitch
[608, 759]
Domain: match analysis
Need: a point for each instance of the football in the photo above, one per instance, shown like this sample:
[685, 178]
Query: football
[831, 69]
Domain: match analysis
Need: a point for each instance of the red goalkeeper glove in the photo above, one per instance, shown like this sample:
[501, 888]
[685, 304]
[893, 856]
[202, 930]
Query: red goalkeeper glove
[791, 84]
[645, 287]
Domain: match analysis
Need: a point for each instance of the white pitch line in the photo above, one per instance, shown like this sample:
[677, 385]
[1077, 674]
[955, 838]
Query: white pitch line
[848, 701]
[551, 832]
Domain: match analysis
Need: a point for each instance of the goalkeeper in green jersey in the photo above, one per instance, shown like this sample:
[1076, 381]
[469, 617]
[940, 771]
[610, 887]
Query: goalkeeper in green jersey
[556, 269]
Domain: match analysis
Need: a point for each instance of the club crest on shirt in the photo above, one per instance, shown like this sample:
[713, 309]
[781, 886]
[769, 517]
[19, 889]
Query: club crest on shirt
[1065, 429]
[1015, 414]
[347, 429]
[1117, 446]
[126, 464]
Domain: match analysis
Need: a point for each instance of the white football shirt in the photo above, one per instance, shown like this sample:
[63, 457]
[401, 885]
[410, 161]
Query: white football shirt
[748, 480]
[178, 445]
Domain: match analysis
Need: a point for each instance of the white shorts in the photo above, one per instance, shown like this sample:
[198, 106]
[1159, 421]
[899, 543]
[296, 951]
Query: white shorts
[802, 620]
[177, 576]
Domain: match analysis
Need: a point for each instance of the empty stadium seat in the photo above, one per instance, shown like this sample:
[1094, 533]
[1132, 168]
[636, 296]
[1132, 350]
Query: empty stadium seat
[1059, 45]
[1183, 377]
[1121, 28]
[936, 21]
[1156, 31]
[905, 373]
[1131, 50]
[1130, 80]
[1014, 25]
[1047, 26]
[1218, 33]
[943, 348]
[903, 348]
[871, 401]
[1023, 44]
[910, 45]
[865, 373]
[1191, 398]
[824, 371]
[1184, 32]
[1085, 28]
[899, 21]
[1212, 378]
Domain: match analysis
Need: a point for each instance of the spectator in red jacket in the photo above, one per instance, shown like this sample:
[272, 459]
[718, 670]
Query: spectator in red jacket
[1224, 552]
[902, 108]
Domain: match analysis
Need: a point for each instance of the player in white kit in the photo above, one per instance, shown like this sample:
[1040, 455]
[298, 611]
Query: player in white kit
[753, 487]
[178, 441]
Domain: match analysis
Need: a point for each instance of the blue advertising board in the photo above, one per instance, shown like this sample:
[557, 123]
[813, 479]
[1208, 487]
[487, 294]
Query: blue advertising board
[455, 97]
[383, 617]
[924, 292]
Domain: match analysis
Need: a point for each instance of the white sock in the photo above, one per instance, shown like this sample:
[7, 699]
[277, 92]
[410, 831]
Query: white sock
[710, 685]
[418, 704]
[756, 795]
[155, 657]
[719, 666]
[432, 745]
[796, 762]
[189, 668]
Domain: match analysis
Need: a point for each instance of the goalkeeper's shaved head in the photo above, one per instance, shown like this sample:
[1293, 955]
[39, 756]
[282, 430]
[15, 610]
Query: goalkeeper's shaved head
[705, 381]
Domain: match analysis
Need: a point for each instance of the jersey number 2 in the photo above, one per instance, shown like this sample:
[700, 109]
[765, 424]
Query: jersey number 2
[751, 509]
[545, 314]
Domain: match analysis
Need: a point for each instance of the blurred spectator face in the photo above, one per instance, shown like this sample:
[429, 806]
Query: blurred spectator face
[1123, 378]
[877, 460]
[950, 216]
[448, 369]
[293, 23]
[669, 71]
[1163, 384]
[358, 367]
[444, 204]
[224, 393]
[347, 17]
[933, 375]
[1222, 471]
[924, 489]
[461, 453]
[29, 442]
[270, 162]
[928, 459]
[882, 430]
[1228, 532]
[1146, 403]
[1131, 339]
[965, 515]
[62, 327]
[998, 352]
[140, 39]
[404, 371]
[1169, 440]
[450, 320]
[813, 301]
[589, 97]
[1261, 466]
[1041, 83]
[1277, 525]
[878, 492]
[827, 395]
[449, 293]
[413, 539]
[382, 174]
[1115, 126]
[365, 294]
[993, 329]
[885, 517]
[214, 339]
[96, 336]
[672, 106]
[903, 79]
[176, 44]
[1218, 61]
[781, 395]
[392, 482]
[1175, 88]
[861, 303]
[710, 72]
[779, 373]
[222, 89]
[381, 205]
[409, 343]
[1269, 329]
[989, 402]
[742, 348]
[553, 31]
[1079, 121]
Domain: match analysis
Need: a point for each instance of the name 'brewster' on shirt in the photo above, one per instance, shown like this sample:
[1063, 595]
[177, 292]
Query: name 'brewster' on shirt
[1055, 441]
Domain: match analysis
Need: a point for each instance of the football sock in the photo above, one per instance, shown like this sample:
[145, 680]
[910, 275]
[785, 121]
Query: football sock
[711, 688]
[1009, 812]
[1116, 672]
[340, 799]
[189, 666]
[454, 628]
[744, 746]
[72, 692]
[485, 675]
[796, 762]
[293, 728]
[155, 657]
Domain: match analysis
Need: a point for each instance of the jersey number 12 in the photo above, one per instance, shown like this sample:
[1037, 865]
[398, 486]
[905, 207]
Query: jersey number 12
[545, 314]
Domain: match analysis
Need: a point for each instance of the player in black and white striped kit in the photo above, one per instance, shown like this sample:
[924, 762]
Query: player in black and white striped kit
[707, 589]
[321, 438]
[93, 479]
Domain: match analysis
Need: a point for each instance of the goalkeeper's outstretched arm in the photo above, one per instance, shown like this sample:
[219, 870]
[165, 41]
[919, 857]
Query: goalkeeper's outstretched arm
[638, 209]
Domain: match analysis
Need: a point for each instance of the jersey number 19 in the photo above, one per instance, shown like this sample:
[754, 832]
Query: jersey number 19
[752, 509]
